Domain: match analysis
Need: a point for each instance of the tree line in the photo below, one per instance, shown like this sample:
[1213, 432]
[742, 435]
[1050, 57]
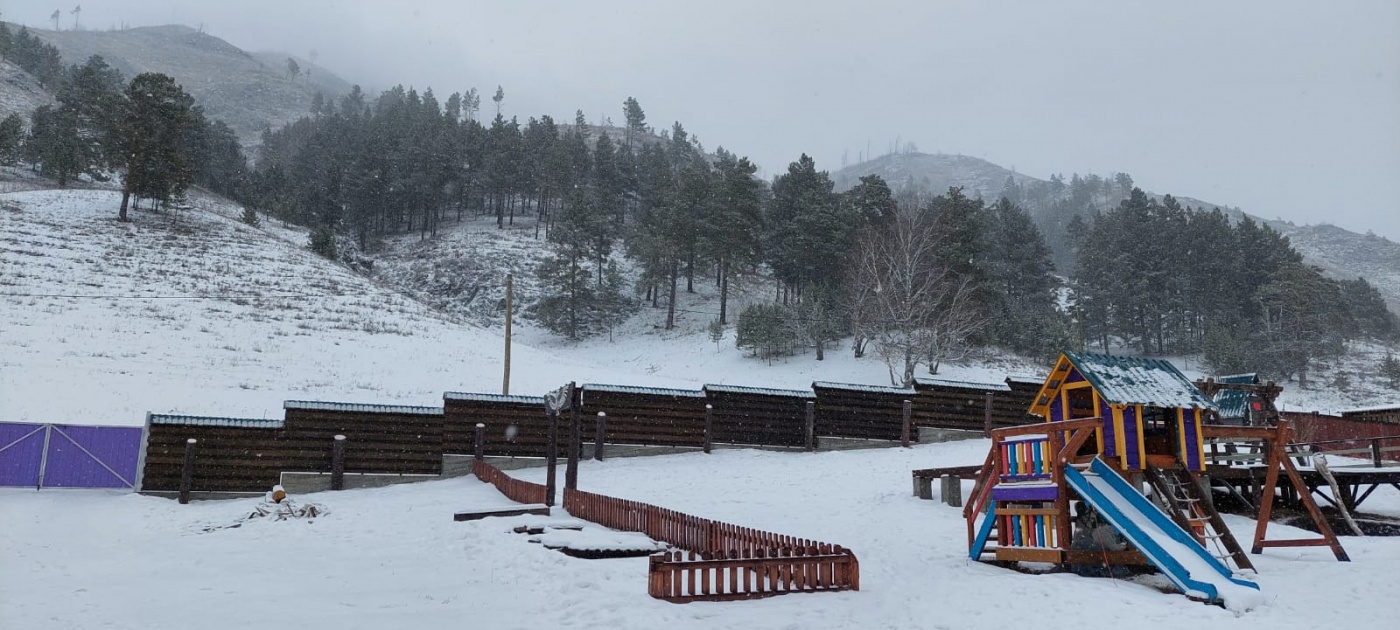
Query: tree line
[1165, 279]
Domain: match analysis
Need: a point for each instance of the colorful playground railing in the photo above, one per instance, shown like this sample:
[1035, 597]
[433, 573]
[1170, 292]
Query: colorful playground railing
[1026, 466]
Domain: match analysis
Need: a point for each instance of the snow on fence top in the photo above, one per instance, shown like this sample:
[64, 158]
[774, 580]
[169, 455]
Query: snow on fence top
[500, 398]
[214, 421]
[760, 391]
[317, 405]
[944, 382]
[856, 387]
[1026, 380]
[1377, 409]
[655, 391]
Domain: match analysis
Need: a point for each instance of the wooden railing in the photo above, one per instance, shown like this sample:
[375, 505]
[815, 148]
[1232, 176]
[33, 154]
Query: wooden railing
[674, 577]
[720, 553]
[1361, 448]
[514, 489]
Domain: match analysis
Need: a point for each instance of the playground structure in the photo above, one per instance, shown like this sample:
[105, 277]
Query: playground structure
[1114, 427]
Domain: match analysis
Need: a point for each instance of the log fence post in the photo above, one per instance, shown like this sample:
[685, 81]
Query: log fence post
[906, 430]
[987, 416]
[338, 463]
[709, 427]
[599, 433]
[811, 443]
[479, 448]
[551, 459]
[187, 472]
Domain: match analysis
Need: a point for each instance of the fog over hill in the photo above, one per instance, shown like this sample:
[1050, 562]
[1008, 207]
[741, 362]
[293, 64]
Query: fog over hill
[248, 91]
[1341, 253]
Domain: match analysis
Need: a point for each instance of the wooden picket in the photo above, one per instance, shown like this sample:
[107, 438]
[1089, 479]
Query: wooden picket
[721, 561]
[514, 489]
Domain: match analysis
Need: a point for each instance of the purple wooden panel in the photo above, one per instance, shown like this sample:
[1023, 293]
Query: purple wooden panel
[19, 464]
[1110, 437]
[1130, 438]
[1192, 456]
[92, 457]
[1032, 493]
[1057, 408]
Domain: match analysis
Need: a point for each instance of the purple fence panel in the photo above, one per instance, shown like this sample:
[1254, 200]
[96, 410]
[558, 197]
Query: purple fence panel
[92, 457]
[21, 450]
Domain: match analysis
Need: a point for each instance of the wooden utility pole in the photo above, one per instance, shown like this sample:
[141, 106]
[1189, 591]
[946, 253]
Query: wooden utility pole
[510, 294]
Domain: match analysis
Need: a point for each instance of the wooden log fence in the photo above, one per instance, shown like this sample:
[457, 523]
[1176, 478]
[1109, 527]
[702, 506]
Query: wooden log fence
[514, 489]
[724, 561]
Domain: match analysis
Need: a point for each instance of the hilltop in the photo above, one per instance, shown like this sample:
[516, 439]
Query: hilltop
[247, 91]
[1341, 253]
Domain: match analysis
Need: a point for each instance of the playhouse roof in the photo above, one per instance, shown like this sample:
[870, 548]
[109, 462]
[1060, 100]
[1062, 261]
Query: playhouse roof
[1138, 381]
[1234, 403]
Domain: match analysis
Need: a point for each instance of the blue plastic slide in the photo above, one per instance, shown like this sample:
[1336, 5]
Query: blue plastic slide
[1165, 544]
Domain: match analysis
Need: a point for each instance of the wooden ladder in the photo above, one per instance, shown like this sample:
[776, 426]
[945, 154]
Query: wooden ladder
[1195, 513]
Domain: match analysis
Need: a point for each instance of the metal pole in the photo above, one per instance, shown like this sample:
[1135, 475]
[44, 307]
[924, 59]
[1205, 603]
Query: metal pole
[510, 295]
[575, 436]
[338, 463]
[44, 458]
[551, 458]
[187, 472]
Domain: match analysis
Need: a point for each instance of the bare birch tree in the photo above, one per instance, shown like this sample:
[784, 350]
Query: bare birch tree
[904, 300]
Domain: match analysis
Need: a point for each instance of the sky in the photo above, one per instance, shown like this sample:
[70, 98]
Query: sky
[1285, 109]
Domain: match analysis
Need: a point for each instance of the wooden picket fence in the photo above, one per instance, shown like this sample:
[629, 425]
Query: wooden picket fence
[514, 489]
[724, 561]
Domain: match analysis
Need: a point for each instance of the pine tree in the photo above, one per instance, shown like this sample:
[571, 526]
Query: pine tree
[732, 232]
[11, 137]
[636, 120]
[158, 115]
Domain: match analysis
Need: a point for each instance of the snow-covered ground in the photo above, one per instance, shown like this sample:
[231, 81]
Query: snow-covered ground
[393, 558]
[97, 326]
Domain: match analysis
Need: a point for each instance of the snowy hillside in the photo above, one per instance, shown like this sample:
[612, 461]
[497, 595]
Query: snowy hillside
[393, 558]
[20, 92]
[233, 86]
[195, 312]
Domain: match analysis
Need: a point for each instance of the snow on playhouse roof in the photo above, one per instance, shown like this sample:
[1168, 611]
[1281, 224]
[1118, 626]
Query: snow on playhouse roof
[1138, 381]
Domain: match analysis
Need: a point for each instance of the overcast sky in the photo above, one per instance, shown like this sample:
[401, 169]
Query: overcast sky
[1287, 109]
